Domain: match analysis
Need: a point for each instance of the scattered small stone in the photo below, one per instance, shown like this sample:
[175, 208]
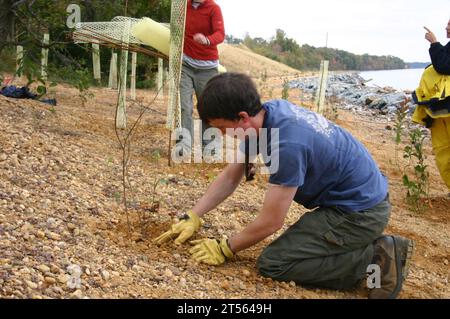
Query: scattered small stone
[136, 268]
[51, 222]
[44, 269]
[168, 273]
[284, 285]
[40, 234]
[246, 273]
[31, 284]
[18, 294]
[77, 294]
[105, 275]
[65, 233]
[54, 236]
[25, 270]
[58, 290]
[63, 174]
[225, 285]
[14, 159]
[76, 232]
[54, 269]
[63, 278]
[50, 280]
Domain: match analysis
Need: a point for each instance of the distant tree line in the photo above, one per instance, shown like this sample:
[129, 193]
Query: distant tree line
[418, 65]
[288, 51]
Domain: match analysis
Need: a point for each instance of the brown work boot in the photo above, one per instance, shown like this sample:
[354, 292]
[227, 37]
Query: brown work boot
[392, 254]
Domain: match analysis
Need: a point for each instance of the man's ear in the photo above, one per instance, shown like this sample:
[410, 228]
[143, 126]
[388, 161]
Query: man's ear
[244, 116]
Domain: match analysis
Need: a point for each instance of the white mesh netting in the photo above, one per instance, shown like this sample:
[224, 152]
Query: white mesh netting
[106, 32]
[177, 23]
[117, 33]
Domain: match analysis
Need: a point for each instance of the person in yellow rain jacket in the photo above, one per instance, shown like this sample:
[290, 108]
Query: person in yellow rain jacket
[433, 99]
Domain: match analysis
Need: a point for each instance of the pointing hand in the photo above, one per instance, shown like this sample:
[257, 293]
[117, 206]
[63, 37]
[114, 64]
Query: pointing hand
[430, 36]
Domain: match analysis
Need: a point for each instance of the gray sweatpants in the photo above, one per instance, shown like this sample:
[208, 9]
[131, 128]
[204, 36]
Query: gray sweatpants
[326, 248]
[192, 80]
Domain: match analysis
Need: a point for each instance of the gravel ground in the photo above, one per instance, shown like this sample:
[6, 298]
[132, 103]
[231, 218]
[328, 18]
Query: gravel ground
[64, 233]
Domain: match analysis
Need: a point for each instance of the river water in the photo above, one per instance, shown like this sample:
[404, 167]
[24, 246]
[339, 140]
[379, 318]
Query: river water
[407, 79]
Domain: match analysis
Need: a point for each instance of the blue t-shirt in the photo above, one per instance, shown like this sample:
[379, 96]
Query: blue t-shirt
[327, 164]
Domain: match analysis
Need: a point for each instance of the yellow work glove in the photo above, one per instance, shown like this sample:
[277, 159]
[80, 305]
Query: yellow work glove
[184, 229]
[211, 251]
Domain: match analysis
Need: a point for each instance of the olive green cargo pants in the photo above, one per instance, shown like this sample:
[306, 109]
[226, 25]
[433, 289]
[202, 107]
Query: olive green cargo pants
[326, 248]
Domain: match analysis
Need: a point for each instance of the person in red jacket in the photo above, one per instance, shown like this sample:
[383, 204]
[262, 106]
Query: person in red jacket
[204, 31]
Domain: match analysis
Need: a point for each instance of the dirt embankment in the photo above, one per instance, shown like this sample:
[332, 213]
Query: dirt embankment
[238, 58]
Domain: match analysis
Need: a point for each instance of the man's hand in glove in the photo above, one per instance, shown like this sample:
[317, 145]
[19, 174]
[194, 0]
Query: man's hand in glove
[183, 230]
[211, 251]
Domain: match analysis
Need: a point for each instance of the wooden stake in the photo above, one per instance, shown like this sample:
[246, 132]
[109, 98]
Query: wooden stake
[160, 76]
[166, 89]
[96, 61]
[133, 75]
[44, 57]
[170, 149]
[112, 83]
[121, 120]
[322, 87]
[19, 61]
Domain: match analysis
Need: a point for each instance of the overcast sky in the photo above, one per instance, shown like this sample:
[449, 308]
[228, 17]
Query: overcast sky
[379, 27]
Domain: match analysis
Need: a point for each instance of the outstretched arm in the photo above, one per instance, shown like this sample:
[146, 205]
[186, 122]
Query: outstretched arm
[277, 201]
[440, 57]
[222, 187]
